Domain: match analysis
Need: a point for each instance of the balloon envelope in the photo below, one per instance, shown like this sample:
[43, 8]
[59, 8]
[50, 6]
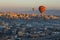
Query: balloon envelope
[42, 9]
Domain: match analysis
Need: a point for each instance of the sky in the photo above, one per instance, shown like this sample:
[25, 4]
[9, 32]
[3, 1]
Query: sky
[50, 4]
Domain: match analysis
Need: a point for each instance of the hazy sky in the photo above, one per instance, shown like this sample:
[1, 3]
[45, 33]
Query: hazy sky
[50, 4]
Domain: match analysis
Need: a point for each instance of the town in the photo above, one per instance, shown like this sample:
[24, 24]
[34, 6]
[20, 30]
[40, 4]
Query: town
[15, 26]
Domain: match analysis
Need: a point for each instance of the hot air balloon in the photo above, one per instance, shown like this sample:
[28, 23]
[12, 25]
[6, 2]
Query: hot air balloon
[33, 10]
[42, 10]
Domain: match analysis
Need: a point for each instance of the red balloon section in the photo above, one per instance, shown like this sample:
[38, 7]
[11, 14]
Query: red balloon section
[42, 9]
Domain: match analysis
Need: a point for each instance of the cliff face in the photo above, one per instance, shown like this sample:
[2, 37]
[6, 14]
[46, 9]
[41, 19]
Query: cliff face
[15, 15]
